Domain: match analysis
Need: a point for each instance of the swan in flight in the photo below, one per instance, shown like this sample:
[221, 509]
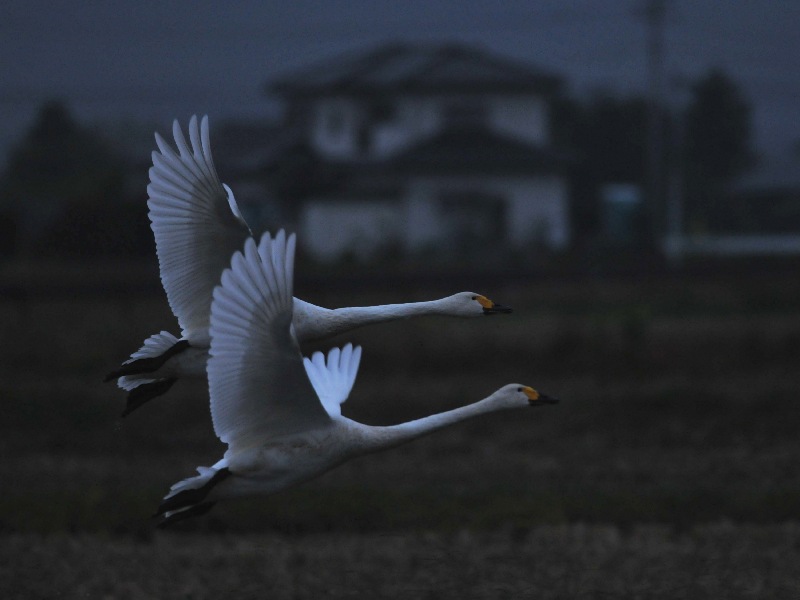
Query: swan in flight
[280, 414]
[197, 227]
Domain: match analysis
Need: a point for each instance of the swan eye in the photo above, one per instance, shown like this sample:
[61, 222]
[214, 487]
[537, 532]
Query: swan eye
[519, 389]
[474, 297]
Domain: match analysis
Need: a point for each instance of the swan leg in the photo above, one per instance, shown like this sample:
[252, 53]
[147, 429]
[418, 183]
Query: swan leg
[148, 364]
[146, 392]
[192, 511]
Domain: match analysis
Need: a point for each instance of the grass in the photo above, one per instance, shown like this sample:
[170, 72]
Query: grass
[668, 470]
[665, 418]
[569, 561]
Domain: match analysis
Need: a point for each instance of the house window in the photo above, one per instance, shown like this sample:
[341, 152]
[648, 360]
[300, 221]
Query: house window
[382, 111]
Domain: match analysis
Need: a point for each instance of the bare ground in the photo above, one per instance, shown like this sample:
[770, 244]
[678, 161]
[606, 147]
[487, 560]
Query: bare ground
[571, 561]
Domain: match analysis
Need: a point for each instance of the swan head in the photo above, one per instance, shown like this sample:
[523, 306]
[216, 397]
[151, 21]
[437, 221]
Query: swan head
[470, 304]
[516, 395]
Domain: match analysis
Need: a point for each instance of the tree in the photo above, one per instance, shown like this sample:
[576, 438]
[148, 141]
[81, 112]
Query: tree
[59, 158]
[718, 146]
[57, 168]
[607, 137]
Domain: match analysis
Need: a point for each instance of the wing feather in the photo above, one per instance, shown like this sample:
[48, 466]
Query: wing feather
[258, 386]
[196, 223]
[333, 380]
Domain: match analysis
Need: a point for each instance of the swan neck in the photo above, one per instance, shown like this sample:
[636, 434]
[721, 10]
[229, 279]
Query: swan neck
[313, 322]
[357, 316]
[394, 435]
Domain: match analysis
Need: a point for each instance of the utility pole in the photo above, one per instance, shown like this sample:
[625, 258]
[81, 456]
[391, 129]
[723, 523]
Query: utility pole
[654, 15]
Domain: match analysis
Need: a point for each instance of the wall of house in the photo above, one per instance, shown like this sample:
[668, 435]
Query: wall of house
[332, 228]
[536, 208]
[422, 214]
[412, 119]
[520, 117]
[534, 211]
[538, 211]
[344, 128]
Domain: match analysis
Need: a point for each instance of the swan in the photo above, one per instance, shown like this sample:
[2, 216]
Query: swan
[198, 226]
[278, 413]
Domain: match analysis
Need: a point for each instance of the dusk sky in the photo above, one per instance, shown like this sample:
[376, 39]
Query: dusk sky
[155, 61]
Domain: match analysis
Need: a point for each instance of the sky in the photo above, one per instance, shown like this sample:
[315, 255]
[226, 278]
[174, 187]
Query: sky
[141, 60]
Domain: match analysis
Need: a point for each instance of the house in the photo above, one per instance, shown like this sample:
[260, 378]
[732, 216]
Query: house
[439, 149]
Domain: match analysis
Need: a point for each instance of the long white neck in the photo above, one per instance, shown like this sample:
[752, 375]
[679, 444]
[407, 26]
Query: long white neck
[316, 322]
[355, 316]
[378, 438]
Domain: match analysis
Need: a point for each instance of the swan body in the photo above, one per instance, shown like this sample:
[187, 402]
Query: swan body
[197, 227]
[280, 414]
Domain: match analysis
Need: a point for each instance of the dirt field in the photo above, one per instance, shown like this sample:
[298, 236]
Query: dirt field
[669, 470]
[571, 561]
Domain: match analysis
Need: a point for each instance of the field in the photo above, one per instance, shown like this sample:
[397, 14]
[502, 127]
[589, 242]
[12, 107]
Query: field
[669, 469]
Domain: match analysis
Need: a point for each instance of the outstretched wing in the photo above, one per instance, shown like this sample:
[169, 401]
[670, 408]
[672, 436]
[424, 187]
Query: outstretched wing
[196, 223]
[333, 380]
[257, 383]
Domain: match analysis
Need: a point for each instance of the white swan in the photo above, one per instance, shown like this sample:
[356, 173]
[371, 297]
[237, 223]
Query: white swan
[197, 227]
[282, 422]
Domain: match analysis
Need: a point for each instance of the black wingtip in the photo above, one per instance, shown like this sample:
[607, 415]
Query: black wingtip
[148, 364]
[191, 497]
[142, 394]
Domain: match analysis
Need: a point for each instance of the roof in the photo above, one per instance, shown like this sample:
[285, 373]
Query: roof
[247, 145]
[419, 69]
[476, 151]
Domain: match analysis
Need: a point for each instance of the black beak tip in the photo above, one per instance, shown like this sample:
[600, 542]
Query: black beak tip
[544, 399]
[498, 309]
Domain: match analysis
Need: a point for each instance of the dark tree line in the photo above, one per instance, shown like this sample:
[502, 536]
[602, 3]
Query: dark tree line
[62, 193]
[706, 146]
[718, 148]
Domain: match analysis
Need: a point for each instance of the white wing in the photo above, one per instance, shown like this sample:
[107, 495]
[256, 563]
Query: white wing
[257, 383]
[197, 225]
[334, 380]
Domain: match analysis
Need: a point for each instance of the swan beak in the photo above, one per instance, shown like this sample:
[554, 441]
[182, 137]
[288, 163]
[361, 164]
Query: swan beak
[491, 308]
[537, 399]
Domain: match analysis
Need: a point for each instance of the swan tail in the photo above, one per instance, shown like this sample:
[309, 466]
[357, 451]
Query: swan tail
[187, 498]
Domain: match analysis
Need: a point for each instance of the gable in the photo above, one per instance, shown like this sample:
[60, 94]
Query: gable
[419, 69]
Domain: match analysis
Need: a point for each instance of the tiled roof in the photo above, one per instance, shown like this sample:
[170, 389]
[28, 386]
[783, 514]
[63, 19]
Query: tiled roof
[479, 152]
[417, 68]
